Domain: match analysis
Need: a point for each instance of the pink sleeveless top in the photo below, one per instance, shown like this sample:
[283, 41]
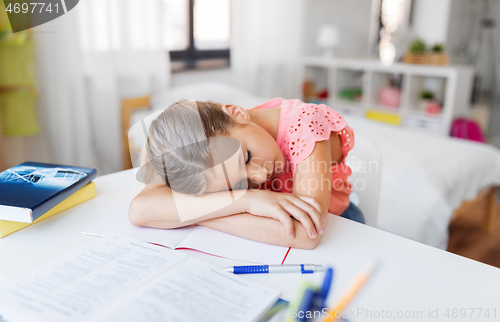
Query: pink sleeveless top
[301, 125]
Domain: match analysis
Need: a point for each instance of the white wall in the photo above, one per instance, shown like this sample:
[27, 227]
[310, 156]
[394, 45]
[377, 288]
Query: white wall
[352, 17]
[430, 20]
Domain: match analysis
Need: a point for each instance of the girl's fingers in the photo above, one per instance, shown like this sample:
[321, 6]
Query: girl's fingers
[301, 216]
[311, 211]
[313, 202]
[287, 222]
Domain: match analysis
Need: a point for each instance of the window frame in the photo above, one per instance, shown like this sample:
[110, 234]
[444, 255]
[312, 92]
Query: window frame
[190, 56]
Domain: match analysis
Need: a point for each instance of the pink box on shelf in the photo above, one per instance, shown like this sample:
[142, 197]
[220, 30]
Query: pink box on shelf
[390, 97]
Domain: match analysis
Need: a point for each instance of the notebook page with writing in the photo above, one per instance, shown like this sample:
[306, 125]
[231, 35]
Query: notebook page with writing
[118, 221]
[79, 284]
[226, 245]
[194, 290]
[197, 237]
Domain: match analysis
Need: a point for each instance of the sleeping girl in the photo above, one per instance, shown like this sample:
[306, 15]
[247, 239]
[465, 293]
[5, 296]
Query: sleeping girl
[284, 172]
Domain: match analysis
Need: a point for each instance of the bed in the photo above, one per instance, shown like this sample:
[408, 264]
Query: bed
[426, 179]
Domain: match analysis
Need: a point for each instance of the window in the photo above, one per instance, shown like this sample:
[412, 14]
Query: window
[120, 25]
[197, 33]
[393, 24]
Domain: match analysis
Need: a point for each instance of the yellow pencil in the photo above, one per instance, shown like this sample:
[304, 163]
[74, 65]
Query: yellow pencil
[351, 292]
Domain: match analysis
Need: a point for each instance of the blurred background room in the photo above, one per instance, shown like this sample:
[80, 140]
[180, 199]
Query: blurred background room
[420, 78]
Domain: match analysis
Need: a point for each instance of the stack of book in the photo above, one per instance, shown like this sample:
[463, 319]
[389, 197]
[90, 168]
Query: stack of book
[32, 191]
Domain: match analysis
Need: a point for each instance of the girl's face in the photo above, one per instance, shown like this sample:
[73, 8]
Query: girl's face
[260, 158]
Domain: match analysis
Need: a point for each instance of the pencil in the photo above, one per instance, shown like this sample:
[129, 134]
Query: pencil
[351, 292]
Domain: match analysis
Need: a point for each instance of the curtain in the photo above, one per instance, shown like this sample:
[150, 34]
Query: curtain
[266, 46]
[87, 60]
[62, 103]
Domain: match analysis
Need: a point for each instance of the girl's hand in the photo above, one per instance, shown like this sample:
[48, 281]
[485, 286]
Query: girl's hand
[284, 206]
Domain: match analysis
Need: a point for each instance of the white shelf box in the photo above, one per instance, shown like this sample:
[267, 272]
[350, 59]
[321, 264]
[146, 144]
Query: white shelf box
[333, 102]
[349, 80]
[388, 81]
[418, 84]
[318, 76]
[422, 122]
[346, 108]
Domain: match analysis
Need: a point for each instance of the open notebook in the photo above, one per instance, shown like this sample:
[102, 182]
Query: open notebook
[199, 238]
[119, 278]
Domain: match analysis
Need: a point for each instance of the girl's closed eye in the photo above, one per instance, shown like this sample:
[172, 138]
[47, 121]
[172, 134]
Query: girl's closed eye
[249, 157]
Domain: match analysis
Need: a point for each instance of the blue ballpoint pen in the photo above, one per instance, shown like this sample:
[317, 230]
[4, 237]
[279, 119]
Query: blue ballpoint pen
[325, 288]
[318, 301]
[314, 299]
[327, 282]
[264, 269]
[306, 305]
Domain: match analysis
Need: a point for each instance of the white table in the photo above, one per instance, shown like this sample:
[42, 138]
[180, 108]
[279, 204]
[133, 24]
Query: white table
[411, 276]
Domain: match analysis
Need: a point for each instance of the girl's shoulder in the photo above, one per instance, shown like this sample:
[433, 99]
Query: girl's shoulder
[304, 124]
[314, 121]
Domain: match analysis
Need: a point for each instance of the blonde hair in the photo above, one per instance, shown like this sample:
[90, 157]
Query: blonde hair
[178, 144]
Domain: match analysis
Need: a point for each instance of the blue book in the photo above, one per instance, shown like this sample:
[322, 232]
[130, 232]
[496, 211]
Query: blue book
[30, 189]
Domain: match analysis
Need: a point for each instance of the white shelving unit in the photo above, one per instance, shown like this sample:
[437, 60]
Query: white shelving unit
[453, 83]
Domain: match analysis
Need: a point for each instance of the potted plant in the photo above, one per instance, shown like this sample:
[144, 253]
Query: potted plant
[426, 96]
[437, 48]
[418, 46]
[428, 103]
[418, 54]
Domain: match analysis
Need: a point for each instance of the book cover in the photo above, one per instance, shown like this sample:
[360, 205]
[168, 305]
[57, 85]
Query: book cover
[30, 189]
[84, 194]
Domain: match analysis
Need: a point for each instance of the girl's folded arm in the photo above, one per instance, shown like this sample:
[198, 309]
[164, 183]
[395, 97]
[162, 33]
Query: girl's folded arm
[262, 229]
[155, 207]
[312, 178]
